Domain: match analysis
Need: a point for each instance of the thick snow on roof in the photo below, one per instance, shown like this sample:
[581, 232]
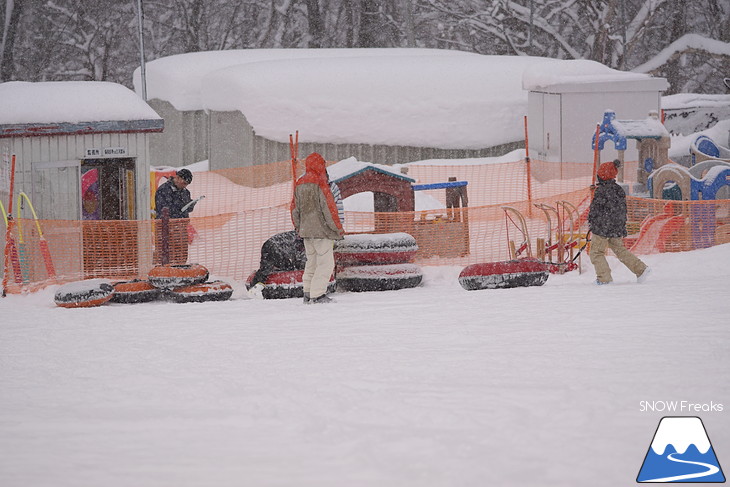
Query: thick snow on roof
[351, 166]
[417, 97]
[178, 79]
[23, 102]
[466, 101]
[649, 127]
[556, 72]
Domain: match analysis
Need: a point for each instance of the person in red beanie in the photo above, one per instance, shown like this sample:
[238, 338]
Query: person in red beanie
[316, 219]
[607, 222]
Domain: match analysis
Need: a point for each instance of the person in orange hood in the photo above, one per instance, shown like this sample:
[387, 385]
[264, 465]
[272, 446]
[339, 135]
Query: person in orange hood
[607, 221]
[316, 220]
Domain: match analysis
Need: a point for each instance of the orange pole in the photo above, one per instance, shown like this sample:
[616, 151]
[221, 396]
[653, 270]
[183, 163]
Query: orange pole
[596, 153]
[9, 242]
[529, 171]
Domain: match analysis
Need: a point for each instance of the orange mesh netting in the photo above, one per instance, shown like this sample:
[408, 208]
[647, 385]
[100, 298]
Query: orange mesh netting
[246, 206]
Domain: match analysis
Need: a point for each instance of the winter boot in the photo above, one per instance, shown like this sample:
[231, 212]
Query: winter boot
[322, 299]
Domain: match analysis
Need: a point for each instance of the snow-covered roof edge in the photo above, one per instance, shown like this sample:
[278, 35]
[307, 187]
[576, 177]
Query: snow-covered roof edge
[81, 128]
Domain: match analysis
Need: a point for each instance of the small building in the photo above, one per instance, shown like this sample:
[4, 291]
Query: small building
[81, 153]
[567, 100]
[81, 148]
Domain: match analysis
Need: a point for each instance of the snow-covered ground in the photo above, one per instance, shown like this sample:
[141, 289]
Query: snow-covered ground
[431, 386]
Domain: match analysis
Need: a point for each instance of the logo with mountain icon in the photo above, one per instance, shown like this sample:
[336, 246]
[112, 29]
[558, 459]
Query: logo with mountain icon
[681, 452]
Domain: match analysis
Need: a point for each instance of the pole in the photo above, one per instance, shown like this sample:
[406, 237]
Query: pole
[9, 243]
[529, 171]
[142, 72]
[596, 153]
[165, 239]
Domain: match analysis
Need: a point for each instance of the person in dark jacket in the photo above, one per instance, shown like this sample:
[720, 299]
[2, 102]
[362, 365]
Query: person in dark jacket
[174, 195]
[607, 222]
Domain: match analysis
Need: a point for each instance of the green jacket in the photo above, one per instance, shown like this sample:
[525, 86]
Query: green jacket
[311, 215]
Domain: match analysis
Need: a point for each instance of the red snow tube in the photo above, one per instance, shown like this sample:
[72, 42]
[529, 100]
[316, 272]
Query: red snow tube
[198, 293]
[285, 284]
[384, 248]
[135, 291]
[84, 294]
[174, 276]
[379, 277]
[506, 274]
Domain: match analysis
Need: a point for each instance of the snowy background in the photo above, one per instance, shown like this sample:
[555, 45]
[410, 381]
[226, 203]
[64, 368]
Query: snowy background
[431, 386]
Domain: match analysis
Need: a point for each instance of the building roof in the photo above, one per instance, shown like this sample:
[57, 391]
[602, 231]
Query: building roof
[73, 108]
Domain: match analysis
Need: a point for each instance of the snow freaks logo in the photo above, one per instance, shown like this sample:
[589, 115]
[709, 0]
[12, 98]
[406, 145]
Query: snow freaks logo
[680, 452]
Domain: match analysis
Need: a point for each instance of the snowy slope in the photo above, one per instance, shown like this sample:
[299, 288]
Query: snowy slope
[432, 386]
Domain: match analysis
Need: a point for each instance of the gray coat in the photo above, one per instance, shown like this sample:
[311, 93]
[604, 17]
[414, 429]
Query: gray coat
[311, 215]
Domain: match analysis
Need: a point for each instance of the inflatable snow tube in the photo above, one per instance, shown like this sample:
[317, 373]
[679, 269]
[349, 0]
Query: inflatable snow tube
[388, 277]
[84, 294]
[384, 248]
[173, 276]
[202, 292]
[135, 291]
[505, 274]
[285, 284]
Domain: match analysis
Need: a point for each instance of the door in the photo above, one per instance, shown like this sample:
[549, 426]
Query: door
[108, 209]
[108, 189]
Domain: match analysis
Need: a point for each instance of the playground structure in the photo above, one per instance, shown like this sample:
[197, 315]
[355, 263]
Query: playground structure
[660, 178]
[704, 148]
[652, 140]
[394, 192]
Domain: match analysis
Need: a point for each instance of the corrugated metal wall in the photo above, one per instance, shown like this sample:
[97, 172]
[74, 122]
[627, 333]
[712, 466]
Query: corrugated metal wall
[47, 170]
[228, 141]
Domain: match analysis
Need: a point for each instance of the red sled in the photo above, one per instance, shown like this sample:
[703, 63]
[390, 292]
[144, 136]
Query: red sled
[505, 274]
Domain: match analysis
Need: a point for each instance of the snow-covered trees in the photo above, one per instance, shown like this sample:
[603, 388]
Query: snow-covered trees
[687, 41]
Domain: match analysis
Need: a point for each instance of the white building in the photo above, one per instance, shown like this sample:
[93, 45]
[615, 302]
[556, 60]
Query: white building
[79, 142]
[567, 99]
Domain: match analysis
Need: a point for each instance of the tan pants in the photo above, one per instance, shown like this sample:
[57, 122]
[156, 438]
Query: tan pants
[616, 244]
[319, 266]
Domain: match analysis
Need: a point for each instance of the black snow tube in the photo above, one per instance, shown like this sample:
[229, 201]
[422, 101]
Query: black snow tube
[135, 291]
[199, 293]
[366, 248]
[174, 276]
[284, 284]
[388, 277]
[505, 274]
[281, 252]
[84, 294]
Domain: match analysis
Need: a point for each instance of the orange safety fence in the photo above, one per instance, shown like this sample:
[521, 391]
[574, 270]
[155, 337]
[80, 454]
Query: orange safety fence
[246, 206]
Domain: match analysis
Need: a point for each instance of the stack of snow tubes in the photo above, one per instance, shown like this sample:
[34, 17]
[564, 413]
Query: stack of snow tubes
[177, 283]
[377, 262]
